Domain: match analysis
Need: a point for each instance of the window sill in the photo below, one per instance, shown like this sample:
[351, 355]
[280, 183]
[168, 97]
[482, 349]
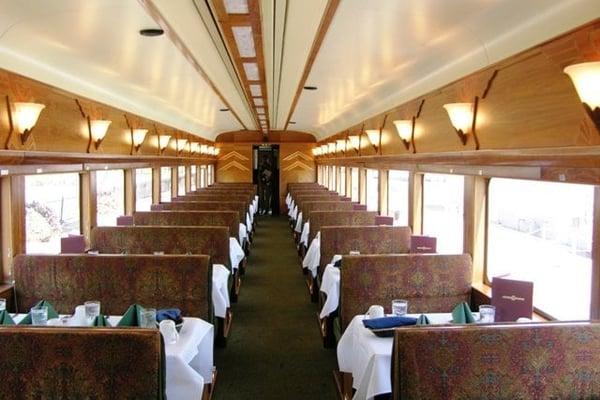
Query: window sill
[486, 291]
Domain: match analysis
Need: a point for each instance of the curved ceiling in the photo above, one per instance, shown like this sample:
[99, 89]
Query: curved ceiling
[374, 55]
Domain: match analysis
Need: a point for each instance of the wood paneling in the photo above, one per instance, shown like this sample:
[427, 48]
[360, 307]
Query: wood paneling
[296, 164]
[272, 137]
[12, 206]
[595, 296]
[530, 115]
[234, 163]
[89, 206]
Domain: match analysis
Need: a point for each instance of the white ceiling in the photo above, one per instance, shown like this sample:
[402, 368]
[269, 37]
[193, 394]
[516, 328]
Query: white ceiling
[377, 54]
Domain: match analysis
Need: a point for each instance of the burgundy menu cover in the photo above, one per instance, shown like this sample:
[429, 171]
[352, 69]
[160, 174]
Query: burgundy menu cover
[513, 299]
[73, 244]
[423, 244]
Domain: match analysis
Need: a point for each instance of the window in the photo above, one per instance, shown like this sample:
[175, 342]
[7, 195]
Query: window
[398, 197]
[110, 196]
[143, 189]
[372, 190]
[354, 180]
[333, 186]
[181, 180]
[51, 211]
[203, 176]
[343, 181]
[193, 175]
[443, 200]
[542, 232]
[165, 184]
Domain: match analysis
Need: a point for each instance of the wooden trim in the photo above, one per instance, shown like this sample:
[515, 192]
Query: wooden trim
[475, 223]
[332, 6]
[155, 185]
[174, 181]
[362, 185]
[383, 191]
[595, 297]
[415, 202]
[130, 194]
[153, 11]
[13, 221]
[88, 204]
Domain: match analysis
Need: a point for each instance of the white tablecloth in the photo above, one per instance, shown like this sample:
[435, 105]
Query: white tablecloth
[313, 255]
[330, 285]
[295, 213]
[304, 234]
[369, 358]
[248, 222]
[189, 362]
[220, 290]
[298, 227]
[288, 198]
[243, 234]
[291, 209]
[255, 204]
[236, 253]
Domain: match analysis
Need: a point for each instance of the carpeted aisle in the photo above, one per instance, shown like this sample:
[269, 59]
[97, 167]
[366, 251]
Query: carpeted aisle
[274, 350]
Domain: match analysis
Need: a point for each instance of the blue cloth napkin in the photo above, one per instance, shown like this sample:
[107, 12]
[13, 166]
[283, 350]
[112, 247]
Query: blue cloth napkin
[388, 322]
[173, 314]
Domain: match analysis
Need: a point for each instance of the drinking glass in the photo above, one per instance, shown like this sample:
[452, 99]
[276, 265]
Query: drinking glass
[39, 316]
[92, 310]
[487, 313]
[169, 331]
[2, 304]
[148, 318]
[399, 307]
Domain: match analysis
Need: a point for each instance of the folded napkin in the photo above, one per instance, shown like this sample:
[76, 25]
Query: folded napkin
[101, 320]
[51, 312]
[174, 314]
[132, 316]
[5, 318]
[423, 320]
[388, 322]
[462, 314]
[337, 261]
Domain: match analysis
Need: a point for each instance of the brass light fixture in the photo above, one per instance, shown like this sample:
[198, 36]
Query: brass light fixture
[374, 136]
[463, 117]
[137, 138]
[586, 78]
[24, 119]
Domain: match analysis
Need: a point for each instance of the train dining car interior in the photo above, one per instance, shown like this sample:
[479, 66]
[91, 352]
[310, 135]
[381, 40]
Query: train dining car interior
[300, 199]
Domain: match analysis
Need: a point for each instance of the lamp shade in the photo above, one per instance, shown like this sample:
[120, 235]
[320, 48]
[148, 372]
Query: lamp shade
[26, 115]
[341, 145]
[354, 141]
[331, 147]
[316, 151]
[99, 127]
[404, 128]
[324, 149]
[461, 115]
[181, 144]
[211, 150]
[586, 78]
[203, 149]
[217, 151]
[373, 135]
[138, 136]
[163, 141]
[195, 147]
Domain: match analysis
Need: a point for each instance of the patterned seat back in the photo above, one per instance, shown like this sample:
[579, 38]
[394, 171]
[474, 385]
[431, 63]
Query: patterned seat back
[330, 205]
[239, 206]
[209, 240]
[117, 281]
[366, 239]
[430, 282]
[81, 363]
[506, 361]
[319, 219]
[230, 219]
[245, 198]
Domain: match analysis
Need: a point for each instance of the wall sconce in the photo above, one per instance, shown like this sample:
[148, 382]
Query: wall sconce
[203, 149]
[195, 147]
[463, 117]
[98, 129]
[211, 150]
[331, 148]
[24, 118]
[341, 145]
[217, 151]
[180, 145]
[137, 138]
[374, 135]
[316, 151]
[406, 131]
[586, 78]
[354, 142]
[163, 142]
[324, 149]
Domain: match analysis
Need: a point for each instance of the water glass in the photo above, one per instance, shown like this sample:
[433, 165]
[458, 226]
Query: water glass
[487, 314]
[399, 307]
[169, 331]
[92, 310]
[148, 318]
[39, 316]
[2, 304]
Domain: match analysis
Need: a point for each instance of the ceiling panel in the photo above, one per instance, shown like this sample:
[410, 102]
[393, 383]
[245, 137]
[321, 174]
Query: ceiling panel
[376, 57]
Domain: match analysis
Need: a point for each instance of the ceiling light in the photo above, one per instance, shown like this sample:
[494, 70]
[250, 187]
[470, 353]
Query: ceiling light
[203, 149]
[316, 151]
[180, 144]
[244, 41]
[258, 101]
[341, 145]
[138, 136]
[211, 150]
[586, 78]
[461, 116]
[251, 70]
[25, 117]
[354, 141]
[195, 147]
[331, 147]
[324, 149]
[151, 32]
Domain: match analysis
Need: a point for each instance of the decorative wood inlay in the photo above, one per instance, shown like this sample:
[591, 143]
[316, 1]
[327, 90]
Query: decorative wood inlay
[250, 67]
[332, 6]
[233, 164]
[298, 154]
[233, 154]
[298, 165]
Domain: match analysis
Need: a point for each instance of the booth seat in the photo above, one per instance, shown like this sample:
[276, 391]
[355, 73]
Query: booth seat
[319, 219]
[239, 206]
[558, 360]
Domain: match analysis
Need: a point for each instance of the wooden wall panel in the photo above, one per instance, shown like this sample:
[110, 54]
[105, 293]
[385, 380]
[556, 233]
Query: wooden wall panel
[245, 136]
[296, 164]
[234, 163]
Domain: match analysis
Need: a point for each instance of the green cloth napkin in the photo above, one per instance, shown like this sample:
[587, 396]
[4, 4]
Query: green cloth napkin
[423, 320]
[51, 312]
[462, 314]
[132, 316]
[101, 320]
[5, 318]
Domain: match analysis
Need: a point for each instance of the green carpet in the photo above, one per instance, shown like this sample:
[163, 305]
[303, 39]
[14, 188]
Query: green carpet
[274, 349]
